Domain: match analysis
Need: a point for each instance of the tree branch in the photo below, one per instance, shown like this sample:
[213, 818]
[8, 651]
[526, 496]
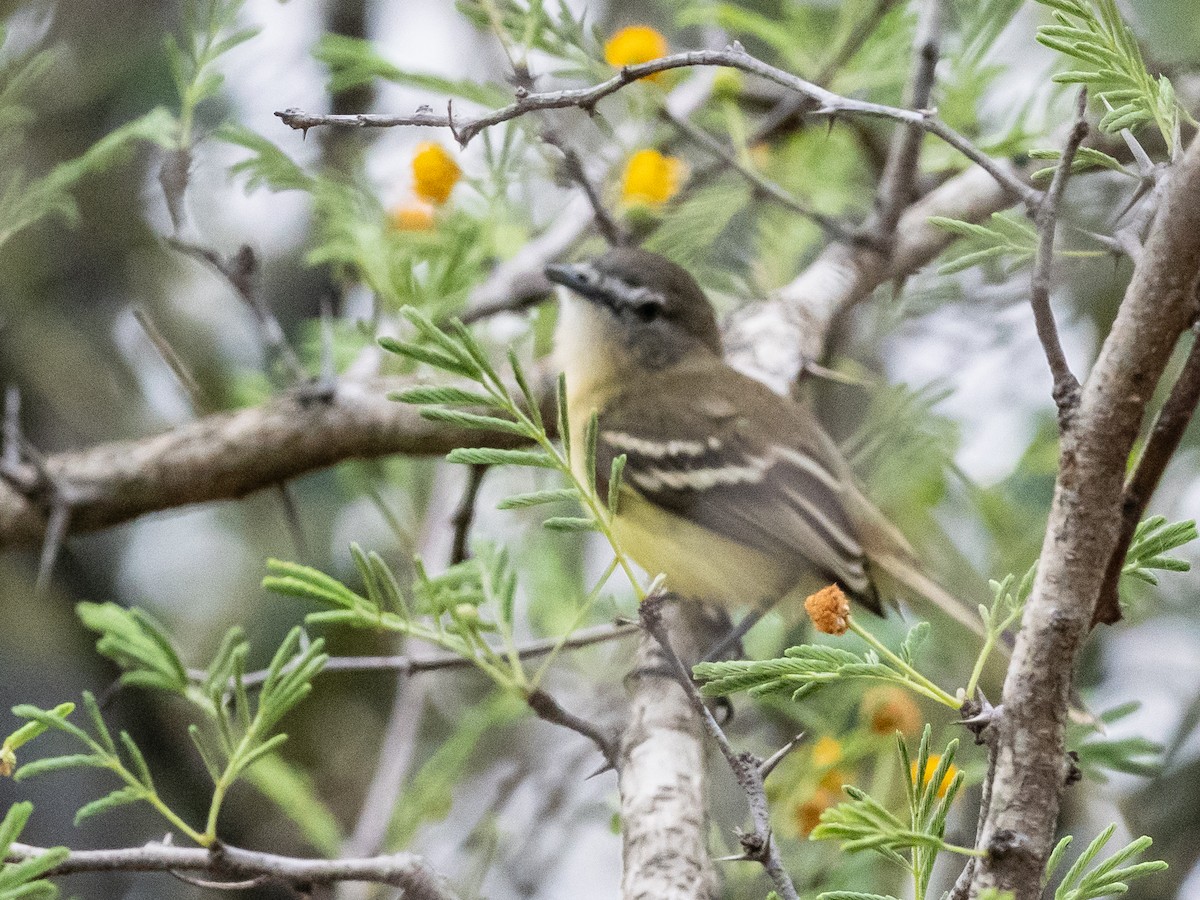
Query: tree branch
[403, 870]
[662, 775]
[735, 57]
[229, 455]
[775, 340]
[436, 662]
[1081, 535]
[904, 157]
[747, 768]
[1169, 426]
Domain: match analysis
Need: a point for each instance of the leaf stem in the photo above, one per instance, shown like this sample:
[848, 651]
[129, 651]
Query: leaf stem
[919, 681]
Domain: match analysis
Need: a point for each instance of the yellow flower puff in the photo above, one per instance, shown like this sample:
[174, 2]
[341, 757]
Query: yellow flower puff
[826, 752]
[414, 216]
[434, 173]
[633, 45]
[931, 770]
[651, 179]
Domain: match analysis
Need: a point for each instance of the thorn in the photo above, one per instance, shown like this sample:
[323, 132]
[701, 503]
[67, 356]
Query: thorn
[741, 857]
[768, 765]
[606, 766]
[56, 530]
[450, 123]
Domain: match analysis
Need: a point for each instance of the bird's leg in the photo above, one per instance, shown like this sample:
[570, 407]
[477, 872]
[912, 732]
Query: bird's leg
[733, 638]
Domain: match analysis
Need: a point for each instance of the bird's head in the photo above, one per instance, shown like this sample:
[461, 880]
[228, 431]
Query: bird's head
[640, 306]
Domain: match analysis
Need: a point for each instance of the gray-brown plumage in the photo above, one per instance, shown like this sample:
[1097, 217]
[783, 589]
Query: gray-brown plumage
[735, 493]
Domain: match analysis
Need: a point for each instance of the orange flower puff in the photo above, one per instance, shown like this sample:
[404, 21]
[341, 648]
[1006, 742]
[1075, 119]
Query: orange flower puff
[413, 216]
[651, 179]
[931, 770]
[633, 45]
[807, 815]
[829, 609]
[887, 710]
[434, 173]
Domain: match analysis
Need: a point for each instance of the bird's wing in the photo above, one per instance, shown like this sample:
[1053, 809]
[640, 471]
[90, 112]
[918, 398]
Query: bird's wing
[741, 462]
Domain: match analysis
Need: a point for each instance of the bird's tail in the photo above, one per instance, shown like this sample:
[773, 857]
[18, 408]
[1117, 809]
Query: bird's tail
[908, 573]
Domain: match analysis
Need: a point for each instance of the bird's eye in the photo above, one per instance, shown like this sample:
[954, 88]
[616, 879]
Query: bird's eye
[648, 311]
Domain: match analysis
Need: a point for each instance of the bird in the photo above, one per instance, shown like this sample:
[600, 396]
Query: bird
[735, 493]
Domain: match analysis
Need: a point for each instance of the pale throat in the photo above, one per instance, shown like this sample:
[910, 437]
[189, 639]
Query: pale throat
[587, 352]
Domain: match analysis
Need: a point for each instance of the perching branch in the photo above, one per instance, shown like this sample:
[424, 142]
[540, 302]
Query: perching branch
[829, 104]
[402, 870]
[758, 844]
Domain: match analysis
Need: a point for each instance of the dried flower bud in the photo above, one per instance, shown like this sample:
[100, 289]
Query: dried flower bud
[8, 761]
[829, 608]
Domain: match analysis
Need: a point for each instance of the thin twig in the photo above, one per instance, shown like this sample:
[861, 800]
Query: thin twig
[785, 111]
[1150, 193]
[464, 516]
[747, 768]
[517, 304]
[241, 271]
[1066, 385]
[10, 438]
[200, 399]
[411, 665]
[1164, 438]
[550, 710]
[56, 531]
[896, 188]
[572, 167]
[762, 185]
[291, 514]
[829, 104]
[404, 870]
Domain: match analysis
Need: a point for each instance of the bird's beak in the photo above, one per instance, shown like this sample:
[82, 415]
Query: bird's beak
[567, 275]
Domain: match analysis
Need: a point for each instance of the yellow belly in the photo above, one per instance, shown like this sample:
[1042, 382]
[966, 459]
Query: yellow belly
[697, 562]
